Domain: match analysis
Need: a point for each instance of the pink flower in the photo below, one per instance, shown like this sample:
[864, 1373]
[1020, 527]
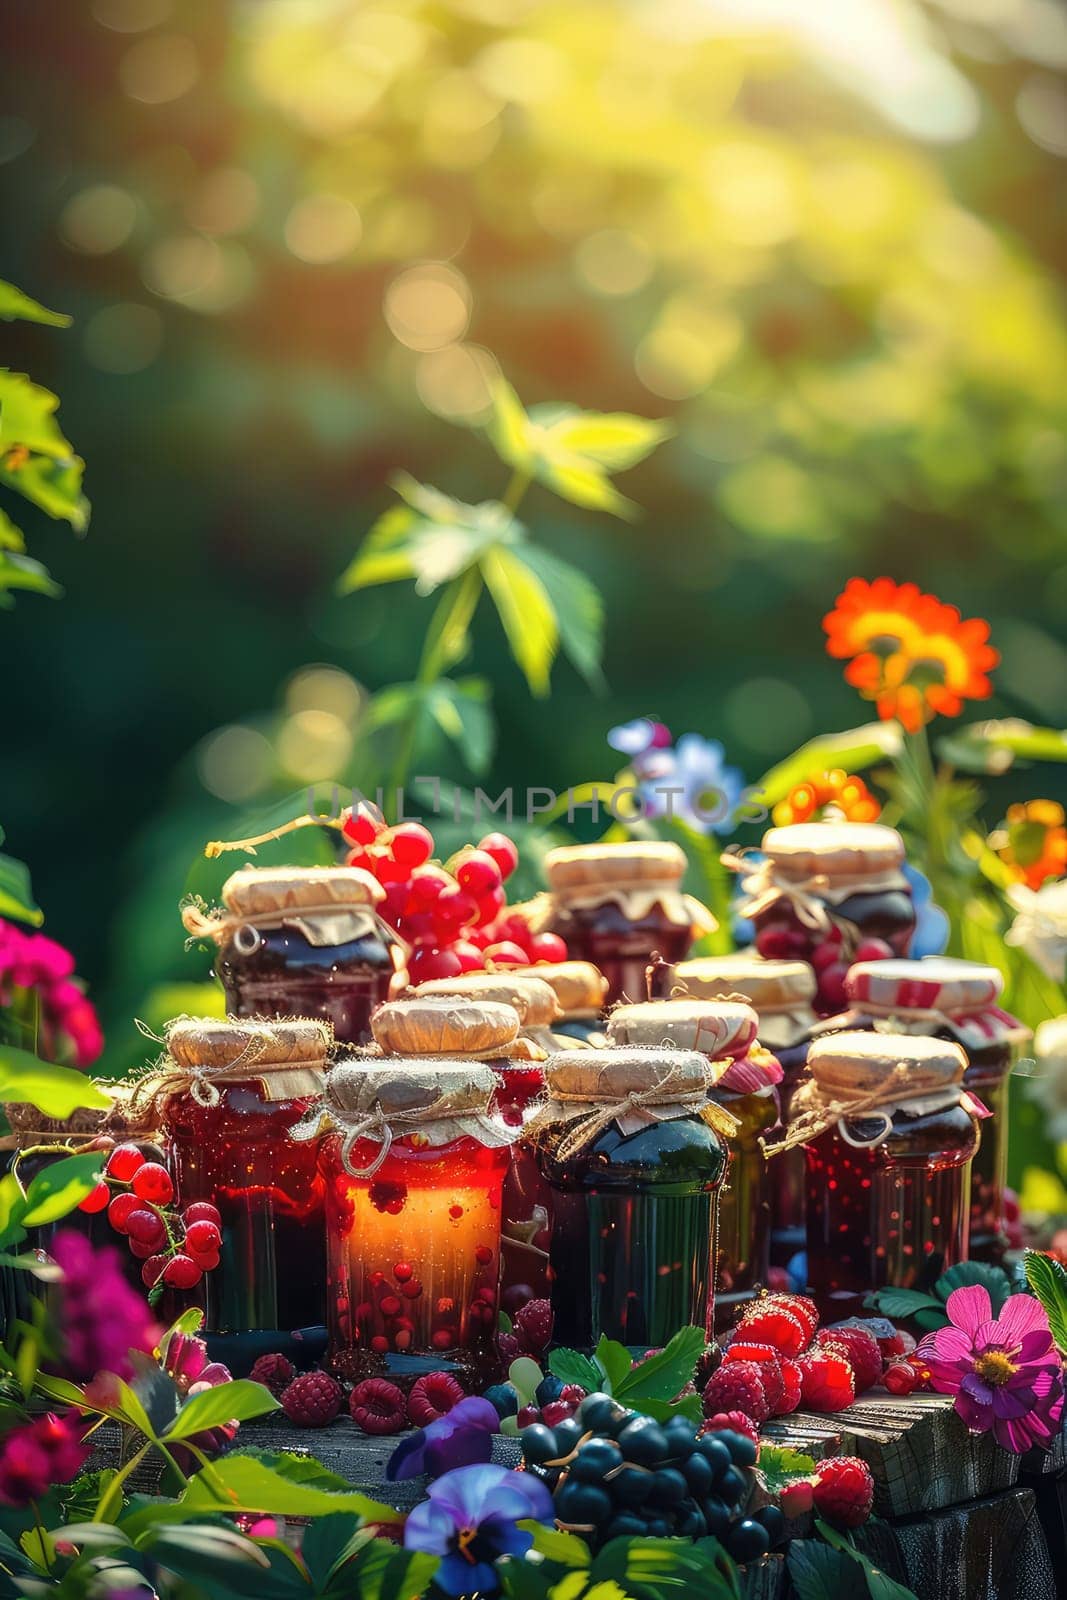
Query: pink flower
[186, 1359]
[46, 1451]
[1006, 1373]
[102, 1319]
[69, 1025]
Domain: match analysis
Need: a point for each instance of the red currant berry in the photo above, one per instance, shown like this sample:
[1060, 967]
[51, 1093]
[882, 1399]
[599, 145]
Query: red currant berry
[361, 827]
[502, 850]
[152, 1271]
[454, 908]
[505, 954]
[203, 1238]
[206, 1261]
[153, 1182]
[490, 906]
[201, 1211]
[402, 1271]
[873, 950]
[411, 844]
[478, 873]
[470, 958]
[97, 1199]
[182, 1272]
[427, 883]
[546, 947]
[119, 1210]
[392, 874]
[825, 955]
[427, 961]
[146, 1228]
[142, 1251]
[831, 995]
[123, 1162]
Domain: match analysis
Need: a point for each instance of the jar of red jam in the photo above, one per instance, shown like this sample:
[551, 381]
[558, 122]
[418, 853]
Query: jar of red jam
[743, 1080]
[413, 1160]
[889, 1132]
[466, 1027]
[627, 1144]
[829, 893]
[230, 1093]
[781, 994]
[618, 904]
[949, 999]
[302, 942]
[581, 993]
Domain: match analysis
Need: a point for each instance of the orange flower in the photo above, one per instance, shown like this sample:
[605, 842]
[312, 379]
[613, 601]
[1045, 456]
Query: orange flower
[912, 655]
[1033, 842]
[837, 791]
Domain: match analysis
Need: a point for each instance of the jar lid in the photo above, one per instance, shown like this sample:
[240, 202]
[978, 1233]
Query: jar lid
[579, 986]
[767, 985]
[613, 1074]
[853, 1063]
[805, 850]
[430, 1103]
[716, 1028]
[937, 983]
[530, 996]
[635, 862]
[259, 1044]
[444, 1025]
[257, 891]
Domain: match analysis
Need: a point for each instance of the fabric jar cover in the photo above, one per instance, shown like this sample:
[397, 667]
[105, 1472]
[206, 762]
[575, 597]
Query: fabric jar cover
[630, 1087]
[780, 992]
[918, 997]
[639, 876]
[814, 864]
[445, 1025]
[286, 1058]
[328, 905]
[725, 1031]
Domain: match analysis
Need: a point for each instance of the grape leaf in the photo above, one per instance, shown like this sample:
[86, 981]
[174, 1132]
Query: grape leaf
[569, 1366]
[663, 1375]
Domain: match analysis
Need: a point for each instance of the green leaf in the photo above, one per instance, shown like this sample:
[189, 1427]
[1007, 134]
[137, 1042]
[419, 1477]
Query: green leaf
[854, 751]
[460, 707]
[819, 1572]
[663, 1410]
[12, 1206]
[664, 1374]
[1047, 1277]
[965, 1274]
[614, 440]
[431, 538]
[879, 1585]
[654, 1569]
[570, 1366]
[22, 572]
[614, 1361]
[994, 747]
[902, 1302]
[16, 305]
[578, 606]
[524, 1375]
[280, 1485]
[202, 1553]
[527, 615]
[565, 1549]
[508, 427]
[54, 487]
[16, 897]
[329, 1541]
[60, 1187]
[930, 1320]
[780, 1465]
[55, 1091]
[237, 1401]
[11, 538]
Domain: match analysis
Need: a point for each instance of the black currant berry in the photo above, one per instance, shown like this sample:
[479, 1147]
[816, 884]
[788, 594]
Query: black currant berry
[714, 1452]
[583, 1504]
[667, 1487]
[747, 1540]
[567, 1433]
[630, 1488]
[594, 1459]
[601, 1413]
[644, 1441]
[538, 1443]
[732, 1485]
[698, 1473]
[742, 1449]
[773, 1519]
[716, 1515]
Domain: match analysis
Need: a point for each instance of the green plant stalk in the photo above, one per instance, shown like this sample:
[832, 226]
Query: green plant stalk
[113, 1493]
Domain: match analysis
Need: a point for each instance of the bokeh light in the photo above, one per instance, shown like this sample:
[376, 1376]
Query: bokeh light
[159, 68]
[99, 219]
[235, 763]
[323, 227]
[123, 338]
[429, 306]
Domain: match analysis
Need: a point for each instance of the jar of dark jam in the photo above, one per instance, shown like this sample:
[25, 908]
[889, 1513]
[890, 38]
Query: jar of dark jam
[465, 1027]
[413, 1160]
[303, 942]
[743, 1080]
[949, 999]
[230, 1095]
[781, 994]
[617, 905]
[889, 1131]
[581, 992]
[635, 1166]
[828, 893]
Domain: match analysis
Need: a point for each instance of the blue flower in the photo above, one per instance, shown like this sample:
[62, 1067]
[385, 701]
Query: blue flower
[931, 923]
[693, 783]
[637, 737]
[471, 1519]
[460, 1438]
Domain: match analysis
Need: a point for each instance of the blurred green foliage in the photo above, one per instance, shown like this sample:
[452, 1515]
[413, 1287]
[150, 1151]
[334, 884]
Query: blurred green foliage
[291, 235]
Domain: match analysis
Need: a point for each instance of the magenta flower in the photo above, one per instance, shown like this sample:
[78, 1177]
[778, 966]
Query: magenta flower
[101, 1318]
[43, 1452]
[185, 1358]
[1005, 1372]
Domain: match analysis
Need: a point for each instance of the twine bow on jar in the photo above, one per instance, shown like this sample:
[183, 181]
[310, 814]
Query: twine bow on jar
[762, 887]
[817, 1107]
[200, 1054]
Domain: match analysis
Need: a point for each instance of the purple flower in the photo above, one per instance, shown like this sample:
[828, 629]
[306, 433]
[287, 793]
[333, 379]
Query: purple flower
[1006, 1373]
[102, 1319]
[471, 1518]
[460, 1438]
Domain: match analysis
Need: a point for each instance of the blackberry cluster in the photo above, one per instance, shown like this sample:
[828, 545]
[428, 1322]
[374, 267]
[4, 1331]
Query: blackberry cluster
[615, 1474]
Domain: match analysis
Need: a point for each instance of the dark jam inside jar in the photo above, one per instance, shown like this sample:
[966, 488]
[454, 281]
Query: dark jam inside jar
[988, 1075]
[891, 1213]
[887, 915]
[634, 1233]
[744, 1205]
[622, 946]
[786, 1171]
[277, 972]
[526, 1206]
[238, 1156]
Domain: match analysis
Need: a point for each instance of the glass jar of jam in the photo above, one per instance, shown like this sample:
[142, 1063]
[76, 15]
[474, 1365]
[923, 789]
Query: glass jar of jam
[828, 893]
[465, 1027]
[781, 994]
[525, 991]
[230, 1093]
[581, 992]
[627, 1144]
[618, 904]
[302, 942]
[743, 1080]
[949, 999]
[413, 1159]
[889, 1132]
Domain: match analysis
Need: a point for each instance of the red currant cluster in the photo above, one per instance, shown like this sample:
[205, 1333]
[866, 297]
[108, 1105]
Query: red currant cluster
[827, 954]
[454, 920]
[175, 1249]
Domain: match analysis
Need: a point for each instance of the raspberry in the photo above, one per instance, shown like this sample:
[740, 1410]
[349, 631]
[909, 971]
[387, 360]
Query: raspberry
[312, 1400]
[528, 1416]
[900, 1377]
[732, 1422]
[791, 1385]
[736, 1387]
[378, 1406]
[768, 1365]
[557, 1411]
[844, 1490]
[432, 1396]
[275, 1372]
[798, 1305]
[773, 1324]
[827, 1382]
[533, 1325]
[510, 1348]
[797, 1499]
[572, 1392]
[861, 1350]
